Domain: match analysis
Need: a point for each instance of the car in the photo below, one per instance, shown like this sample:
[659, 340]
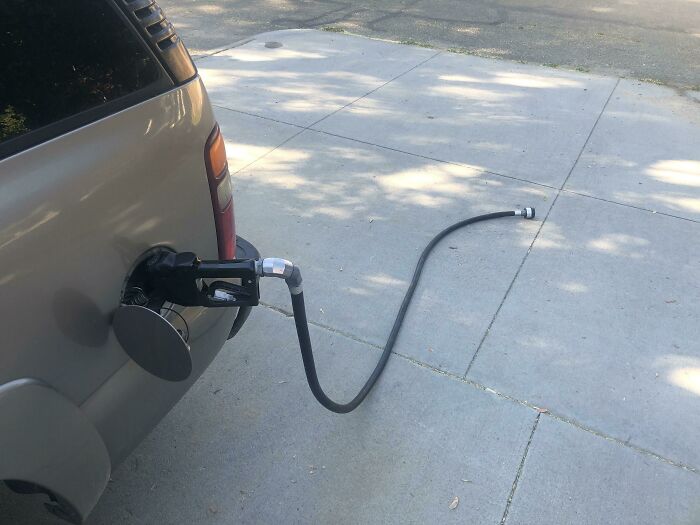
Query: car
[109, 153]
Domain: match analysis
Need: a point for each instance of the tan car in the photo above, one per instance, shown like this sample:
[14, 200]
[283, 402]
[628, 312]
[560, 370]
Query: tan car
[108, 150]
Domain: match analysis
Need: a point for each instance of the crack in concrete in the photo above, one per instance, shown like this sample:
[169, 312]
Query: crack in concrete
[539, 230]
[520, 470]
[374, 90]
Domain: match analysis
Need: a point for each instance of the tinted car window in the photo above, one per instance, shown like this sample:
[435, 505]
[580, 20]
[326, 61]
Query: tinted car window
[62, 58]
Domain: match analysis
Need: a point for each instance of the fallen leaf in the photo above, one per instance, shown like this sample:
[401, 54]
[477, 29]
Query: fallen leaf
[454, 503]
[213, 509]
[542, 410]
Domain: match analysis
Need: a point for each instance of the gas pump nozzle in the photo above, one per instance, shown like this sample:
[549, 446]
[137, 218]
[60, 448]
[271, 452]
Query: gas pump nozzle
[178, 278]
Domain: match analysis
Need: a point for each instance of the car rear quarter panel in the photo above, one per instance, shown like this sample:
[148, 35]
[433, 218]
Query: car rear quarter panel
[75, 213]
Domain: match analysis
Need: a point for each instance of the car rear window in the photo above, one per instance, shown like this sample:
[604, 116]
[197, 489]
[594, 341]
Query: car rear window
[61, 59]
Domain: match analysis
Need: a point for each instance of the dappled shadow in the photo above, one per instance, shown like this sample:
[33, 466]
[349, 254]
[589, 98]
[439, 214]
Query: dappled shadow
[506, 118]
[610, 339]
[644, 152]
[310, 75]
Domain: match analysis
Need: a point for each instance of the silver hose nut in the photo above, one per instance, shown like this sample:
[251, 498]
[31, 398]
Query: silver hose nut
[527, 213]
[276, 267]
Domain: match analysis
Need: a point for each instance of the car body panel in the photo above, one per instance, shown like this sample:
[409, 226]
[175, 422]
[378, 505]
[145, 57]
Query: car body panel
[51, 443]
[132, 401]
[76, 212]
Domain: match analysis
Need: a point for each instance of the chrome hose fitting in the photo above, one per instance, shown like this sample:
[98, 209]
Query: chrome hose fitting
[275, 267]
[527, 213]
[284, 269]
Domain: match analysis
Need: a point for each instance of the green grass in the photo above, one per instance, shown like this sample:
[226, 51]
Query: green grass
[411, 42]
[653, 81]
[11, 123]
[460, 50]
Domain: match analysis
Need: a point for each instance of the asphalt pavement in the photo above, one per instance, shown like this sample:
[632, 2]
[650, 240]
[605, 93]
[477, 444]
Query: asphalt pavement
[644, 39]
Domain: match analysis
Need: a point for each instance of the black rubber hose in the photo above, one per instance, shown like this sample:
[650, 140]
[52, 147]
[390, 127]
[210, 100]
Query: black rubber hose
[305, 340]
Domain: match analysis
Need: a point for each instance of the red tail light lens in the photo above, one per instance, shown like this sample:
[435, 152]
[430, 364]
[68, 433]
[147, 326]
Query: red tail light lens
[221, 194]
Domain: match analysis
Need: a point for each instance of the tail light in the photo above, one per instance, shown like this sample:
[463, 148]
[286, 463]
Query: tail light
[221, 195]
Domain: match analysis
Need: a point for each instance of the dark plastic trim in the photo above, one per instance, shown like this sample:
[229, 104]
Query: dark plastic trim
[165, 43]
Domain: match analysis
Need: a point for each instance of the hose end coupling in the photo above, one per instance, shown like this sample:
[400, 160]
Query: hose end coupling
[284, 269]
[527, 213]
[275, 267]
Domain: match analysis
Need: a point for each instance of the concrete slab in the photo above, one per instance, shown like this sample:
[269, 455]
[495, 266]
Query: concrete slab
[356, 217]
[507, 118]
[248, 137]
[603, 326]
[575, 477]
[645, 152]
[309, 76]
[249, 444]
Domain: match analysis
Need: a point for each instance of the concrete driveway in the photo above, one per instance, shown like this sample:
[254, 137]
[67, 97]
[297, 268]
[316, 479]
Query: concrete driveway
[548, 371]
